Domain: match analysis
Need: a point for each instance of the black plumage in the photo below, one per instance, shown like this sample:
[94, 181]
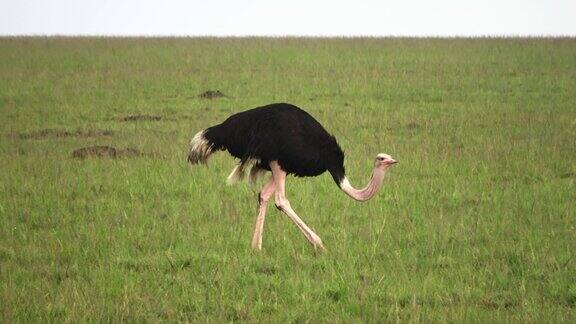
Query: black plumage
[278, 132]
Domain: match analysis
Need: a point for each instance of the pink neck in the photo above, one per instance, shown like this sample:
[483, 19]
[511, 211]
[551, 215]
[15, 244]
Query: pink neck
[371, 188]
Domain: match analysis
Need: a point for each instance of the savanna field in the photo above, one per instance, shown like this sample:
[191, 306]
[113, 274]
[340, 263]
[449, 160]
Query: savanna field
[476, 223]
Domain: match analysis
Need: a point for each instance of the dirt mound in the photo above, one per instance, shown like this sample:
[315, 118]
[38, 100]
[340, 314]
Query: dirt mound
[141, 118]
[211, 94]
[413, 126]
[568, 175]
[93, 133]
[59, 133]
[46, 133]
[105, 152]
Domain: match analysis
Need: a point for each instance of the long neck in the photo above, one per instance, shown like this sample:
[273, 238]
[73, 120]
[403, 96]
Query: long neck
[371, 188]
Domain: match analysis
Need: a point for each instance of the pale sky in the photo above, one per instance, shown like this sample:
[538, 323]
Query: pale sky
[289, 18]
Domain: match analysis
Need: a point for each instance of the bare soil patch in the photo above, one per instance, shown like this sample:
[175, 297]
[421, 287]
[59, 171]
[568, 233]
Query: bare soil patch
[413, 126]
[568, 175]
[105, 152]
[141, 118]
[211, 94]
[60, 133]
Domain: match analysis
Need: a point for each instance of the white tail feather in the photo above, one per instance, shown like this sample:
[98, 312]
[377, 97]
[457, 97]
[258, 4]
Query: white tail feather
[255, 173]
[200, 149]
[238, 174]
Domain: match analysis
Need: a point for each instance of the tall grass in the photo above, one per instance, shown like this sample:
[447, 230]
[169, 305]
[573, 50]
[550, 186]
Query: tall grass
[476, 223]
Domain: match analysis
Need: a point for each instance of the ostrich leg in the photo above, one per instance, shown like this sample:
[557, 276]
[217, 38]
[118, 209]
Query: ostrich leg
[263, 198]
[283, 204]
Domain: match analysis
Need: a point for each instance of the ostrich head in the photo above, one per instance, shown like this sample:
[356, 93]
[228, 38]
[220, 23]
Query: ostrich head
[384, 161]
[381, 165]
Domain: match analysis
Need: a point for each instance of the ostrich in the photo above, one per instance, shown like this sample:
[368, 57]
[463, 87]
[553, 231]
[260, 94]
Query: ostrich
[283, 139]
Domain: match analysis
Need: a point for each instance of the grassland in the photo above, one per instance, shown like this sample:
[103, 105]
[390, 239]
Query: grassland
[477, 223]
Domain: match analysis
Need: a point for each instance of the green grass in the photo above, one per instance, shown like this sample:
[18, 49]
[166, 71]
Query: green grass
[477, 222]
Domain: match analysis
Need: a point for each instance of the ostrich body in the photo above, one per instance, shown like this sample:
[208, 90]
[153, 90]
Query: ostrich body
[283, 139]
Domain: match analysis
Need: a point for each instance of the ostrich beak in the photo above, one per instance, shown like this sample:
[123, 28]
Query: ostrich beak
[392, 161]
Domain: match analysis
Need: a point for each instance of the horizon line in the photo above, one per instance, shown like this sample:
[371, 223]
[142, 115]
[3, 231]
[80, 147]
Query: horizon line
[479, 36]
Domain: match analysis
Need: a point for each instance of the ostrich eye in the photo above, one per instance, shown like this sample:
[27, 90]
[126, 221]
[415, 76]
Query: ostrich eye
[380, 159]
